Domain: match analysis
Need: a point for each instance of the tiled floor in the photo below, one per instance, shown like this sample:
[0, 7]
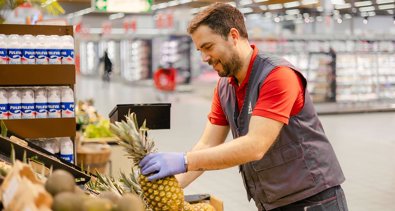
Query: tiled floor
[364, 143]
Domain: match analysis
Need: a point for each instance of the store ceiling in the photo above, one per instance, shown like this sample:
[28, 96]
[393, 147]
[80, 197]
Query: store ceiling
[351, 7]
[297, 8]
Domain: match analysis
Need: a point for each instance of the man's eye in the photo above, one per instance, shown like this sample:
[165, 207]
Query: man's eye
[209, 47]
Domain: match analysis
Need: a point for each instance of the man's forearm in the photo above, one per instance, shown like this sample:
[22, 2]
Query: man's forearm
[236, 152]
[187, 178]
[262, 133]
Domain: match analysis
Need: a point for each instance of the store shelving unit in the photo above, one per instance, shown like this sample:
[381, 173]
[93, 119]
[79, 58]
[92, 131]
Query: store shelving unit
[358, 69]
[39, 75]
[320, 74]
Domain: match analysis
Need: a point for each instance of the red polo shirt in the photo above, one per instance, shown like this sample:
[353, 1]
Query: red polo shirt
[281, 95]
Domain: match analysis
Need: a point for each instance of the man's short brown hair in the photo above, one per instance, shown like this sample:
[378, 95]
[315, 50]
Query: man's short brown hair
[219, 17]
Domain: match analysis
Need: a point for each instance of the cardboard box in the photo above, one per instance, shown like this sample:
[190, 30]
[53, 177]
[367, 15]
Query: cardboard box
[21, 190]
[206, 198]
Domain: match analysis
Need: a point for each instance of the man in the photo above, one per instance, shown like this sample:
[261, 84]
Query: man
[285, 159]
[107, 66]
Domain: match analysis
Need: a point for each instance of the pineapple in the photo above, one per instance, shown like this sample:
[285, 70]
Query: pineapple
[160, 195]
[198, 207]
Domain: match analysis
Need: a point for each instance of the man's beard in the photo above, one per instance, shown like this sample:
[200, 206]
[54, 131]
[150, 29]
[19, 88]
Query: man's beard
[230, 67]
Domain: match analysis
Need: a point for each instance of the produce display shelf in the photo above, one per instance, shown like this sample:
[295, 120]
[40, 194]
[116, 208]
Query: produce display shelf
[40, 155]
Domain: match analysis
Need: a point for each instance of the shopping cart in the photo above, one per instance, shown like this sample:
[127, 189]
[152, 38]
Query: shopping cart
[165, 83]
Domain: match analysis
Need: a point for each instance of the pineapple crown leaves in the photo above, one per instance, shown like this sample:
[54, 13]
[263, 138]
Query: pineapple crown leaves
[131, 182]
[104, 183]
[133, 138]
[4, 129]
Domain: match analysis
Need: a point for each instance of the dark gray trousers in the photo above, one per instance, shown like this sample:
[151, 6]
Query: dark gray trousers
[332, 199]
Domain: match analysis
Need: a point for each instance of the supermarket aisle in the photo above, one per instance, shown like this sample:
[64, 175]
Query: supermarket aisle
[364, 143]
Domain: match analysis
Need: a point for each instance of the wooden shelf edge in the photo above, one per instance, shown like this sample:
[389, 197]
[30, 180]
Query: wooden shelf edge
[22, 29]
[42, 128]
[37, 75]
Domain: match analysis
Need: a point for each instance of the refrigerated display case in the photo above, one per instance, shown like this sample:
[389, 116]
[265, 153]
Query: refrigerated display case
[89, 57]
[136, 59]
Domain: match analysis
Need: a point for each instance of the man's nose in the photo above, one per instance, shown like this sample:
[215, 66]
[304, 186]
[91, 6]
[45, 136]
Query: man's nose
[205, 57]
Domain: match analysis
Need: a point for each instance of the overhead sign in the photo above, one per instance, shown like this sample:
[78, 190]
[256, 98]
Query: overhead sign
[126, 6]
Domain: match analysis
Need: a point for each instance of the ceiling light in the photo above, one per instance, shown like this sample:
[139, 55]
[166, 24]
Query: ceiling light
[343, 6]
[277, 19]
[259, 1]
[291, 4]
[172, 3]
[246, 10]
[245, 2]
[339, 20]
[162, 5]
[386, 6]
[268, 14]
[195, 10]
[384, 1]
[307, 2]
[362, 3]
[365, 20]
[232, 3]
[338, 2]
[289, 17]
[254, 16]
[366, 9]
[371, 13]
[275, 6]
[263, 7]
[292, 12]
[185, 1]
[116, 16]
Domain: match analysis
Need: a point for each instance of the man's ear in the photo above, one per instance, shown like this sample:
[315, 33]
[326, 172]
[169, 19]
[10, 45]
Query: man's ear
[234, 35]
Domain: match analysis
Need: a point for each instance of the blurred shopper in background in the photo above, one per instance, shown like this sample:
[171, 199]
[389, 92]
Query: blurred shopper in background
[107, 66]
[165, 82]
[284, 156]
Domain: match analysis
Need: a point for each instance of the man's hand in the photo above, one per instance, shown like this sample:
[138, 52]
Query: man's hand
[161, 165]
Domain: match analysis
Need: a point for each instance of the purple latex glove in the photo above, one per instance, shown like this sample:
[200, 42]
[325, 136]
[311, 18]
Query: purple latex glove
[161, 165]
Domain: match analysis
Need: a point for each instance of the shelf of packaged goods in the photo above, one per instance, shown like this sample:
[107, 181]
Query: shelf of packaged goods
[25, 74]
[36, 29]
[42, 128]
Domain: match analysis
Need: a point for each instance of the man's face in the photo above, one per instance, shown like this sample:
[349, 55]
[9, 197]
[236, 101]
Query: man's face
[221, 54]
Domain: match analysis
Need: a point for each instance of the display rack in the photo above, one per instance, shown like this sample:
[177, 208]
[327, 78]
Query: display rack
[31, 151]
[39, 75]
